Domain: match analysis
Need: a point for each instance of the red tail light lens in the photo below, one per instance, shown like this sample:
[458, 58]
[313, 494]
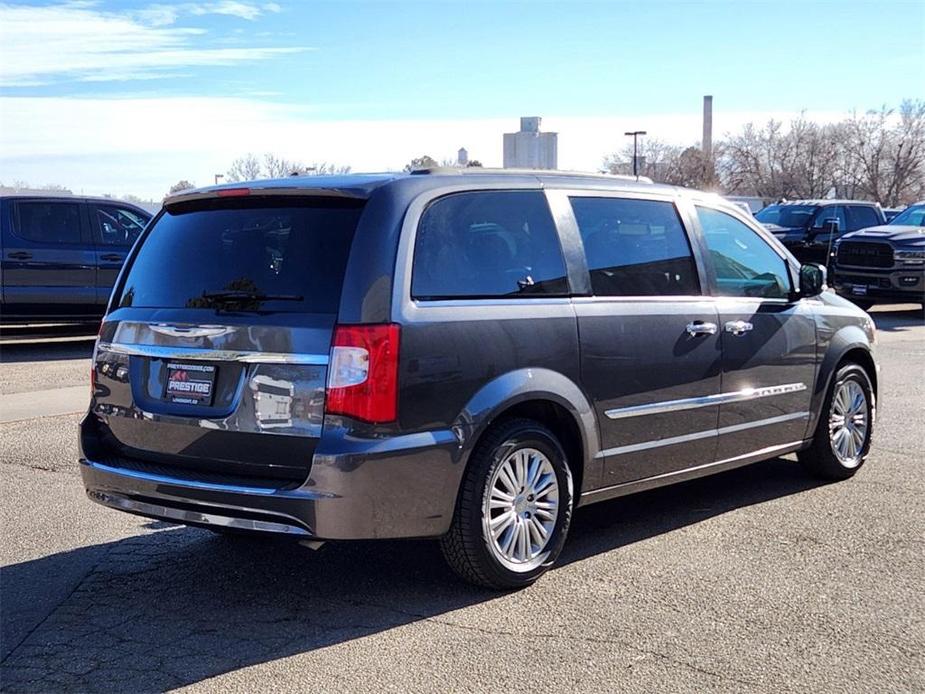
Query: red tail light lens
[363, 372]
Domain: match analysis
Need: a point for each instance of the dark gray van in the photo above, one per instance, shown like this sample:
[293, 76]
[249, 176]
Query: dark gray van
[464, 355]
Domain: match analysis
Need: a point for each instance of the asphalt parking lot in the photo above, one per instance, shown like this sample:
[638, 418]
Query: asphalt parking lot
[758, 579]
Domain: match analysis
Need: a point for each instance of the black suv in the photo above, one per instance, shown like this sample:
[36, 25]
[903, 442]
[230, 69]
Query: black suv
[884, 263]
[464, 355]
[809, 228]
[61, 255]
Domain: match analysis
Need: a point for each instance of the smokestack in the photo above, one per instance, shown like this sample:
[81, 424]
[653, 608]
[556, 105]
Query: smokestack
[708, 127]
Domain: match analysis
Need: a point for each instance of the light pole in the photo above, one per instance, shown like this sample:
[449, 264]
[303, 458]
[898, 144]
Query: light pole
[635, 135]
[218, 176]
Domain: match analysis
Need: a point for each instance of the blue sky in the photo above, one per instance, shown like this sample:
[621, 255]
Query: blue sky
[197, 83]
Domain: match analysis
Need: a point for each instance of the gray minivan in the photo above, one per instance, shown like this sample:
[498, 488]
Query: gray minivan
[465, 355]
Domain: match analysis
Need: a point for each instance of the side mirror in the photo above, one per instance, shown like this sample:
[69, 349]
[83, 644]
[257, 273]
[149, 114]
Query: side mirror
[812, 280]
[826, 226]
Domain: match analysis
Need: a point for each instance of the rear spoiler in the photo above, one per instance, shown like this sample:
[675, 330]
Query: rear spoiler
[245, 190]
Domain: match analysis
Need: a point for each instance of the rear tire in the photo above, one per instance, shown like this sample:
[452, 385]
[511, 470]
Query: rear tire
[514, 508]
[846, 425]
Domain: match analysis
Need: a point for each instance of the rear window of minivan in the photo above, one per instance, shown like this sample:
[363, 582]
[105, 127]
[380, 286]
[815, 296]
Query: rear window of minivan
[262, 254]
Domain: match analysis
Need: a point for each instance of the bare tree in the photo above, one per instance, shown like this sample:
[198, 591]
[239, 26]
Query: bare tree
[425, 161]
[888, 151]
[326, 169]
[773, 161]
[246, 168]
[663, 163]
[878, 156]
[180, 186]
[278, 167]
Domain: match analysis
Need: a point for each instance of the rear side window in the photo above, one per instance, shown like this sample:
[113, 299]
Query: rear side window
[259, 254]
[48, 222]
[635, 247]
[118, 226]
[860, 217]
[832, 213]
[488, 244]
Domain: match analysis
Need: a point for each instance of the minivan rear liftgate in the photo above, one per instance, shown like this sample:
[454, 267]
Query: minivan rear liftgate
[199, 400]
[211, 366]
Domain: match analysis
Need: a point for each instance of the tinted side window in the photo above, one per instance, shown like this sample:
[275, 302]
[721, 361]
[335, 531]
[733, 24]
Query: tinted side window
[825, 214]
[488, 244]
[48, 222]
[860, 217]
[635, 247]
[745, 264]
[118, 226]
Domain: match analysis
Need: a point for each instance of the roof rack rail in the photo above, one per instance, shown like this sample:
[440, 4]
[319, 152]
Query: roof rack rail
[430, 170]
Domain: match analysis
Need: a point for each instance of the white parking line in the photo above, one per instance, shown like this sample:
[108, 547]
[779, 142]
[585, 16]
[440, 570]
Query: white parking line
[44, 403]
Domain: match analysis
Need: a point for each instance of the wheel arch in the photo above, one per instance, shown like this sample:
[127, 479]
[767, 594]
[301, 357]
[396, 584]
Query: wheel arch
[849, 344]
[543, 395]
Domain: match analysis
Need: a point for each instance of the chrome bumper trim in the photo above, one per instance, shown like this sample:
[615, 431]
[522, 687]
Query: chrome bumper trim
[202, 354]
[704, 401]
[179, 482]
[196, 517]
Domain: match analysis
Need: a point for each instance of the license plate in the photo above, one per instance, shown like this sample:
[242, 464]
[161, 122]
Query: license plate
[190, 384]
[859, 289]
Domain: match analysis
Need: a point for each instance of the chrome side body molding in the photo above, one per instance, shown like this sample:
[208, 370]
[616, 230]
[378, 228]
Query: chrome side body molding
[667, 478]
[686, 438]
[704, 401]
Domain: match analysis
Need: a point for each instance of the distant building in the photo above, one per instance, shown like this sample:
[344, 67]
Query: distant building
[462, 157]
[529, 148]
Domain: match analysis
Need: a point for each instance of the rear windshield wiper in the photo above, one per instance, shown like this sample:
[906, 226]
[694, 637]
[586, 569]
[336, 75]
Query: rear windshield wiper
[236, 296]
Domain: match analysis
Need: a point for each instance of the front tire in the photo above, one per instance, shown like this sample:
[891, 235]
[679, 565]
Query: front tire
[846, 424]
[514, 508]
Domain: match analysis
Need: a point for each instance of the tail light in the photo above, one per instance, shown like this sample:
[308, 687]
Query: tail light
[363, 372]
[96, 344]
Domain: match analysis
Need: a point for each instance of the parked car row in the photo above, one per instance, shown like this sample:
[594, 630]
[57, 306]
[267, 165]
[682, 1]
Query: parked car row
[869, 260]
[884, 263]
[59, 256]
[466, 356]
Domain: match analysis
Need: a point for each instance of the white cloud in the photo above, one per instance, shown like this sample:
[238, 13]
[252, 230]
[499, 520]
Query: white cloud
[162, 15]
[143, 145]
[231, 8]
[77, 41]
[158, 15]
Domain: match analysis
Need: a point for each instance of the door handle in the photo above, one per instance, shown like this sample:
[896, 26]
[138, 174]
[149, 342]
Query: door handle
[19, 255]
[738, 327]
[111, 256]
[698, 327]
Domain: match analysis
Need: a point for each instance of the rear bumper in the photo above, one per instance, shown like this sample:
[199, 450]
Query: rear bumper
[402, 486]
[288, 512]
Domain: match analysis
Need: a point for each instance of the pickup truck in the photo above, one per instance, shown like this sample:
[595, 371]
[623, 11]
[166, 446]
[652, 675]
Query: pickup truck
[59, 256]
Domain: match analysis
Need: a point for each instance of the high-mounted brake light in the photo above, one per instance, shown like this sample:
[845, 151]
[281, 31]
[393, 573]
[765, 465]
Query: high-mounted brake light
[363, 372]
[233, 192]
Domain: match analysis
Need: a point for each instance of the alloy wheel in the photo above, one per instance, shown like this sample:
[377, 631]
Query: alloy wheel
[520, 509]
[848, 423]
